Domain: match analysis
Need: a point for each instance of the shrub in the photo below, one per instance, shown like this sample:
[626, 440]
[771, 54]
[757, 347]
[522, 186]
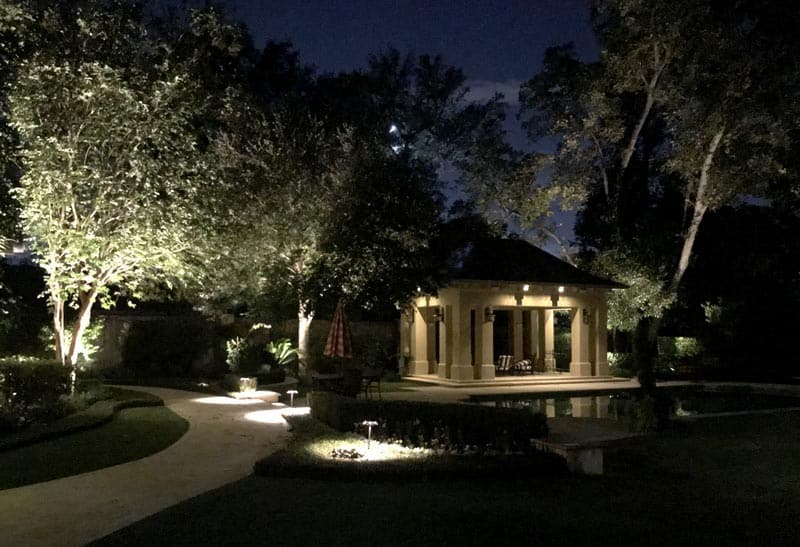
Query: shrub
[32, 390]
[453, 427]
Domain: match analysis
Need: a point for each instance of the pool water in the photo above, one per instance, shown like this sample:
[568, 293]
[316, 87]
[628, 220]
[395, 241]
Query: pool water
[618, 405]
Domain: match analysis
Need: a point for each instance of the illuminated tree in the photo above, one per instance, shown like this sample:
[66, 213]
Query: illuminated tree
[688, 109]
[109, 186]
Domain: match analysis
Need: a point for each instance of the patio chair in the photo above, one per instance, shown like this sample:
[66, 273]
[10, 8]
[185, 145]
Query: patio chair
[371, 378]
[503, 364]
[523, 366]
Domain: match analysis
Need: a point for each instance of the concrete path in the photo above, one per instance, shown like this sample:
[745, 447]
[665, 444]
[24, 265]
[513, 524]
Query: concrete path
[224, 440]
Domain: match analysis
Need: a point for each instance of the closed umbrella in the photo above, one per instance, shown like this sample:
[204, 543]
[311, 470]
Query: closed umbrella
[340, 343]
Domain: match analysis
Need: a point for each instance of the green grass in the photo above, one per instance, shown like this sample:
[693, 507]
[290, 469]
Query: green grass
[133, 433]
[725, 481]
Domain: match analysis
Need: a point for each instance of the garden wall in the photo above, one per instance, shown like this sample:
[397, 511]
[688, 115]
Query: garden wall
[160, 344]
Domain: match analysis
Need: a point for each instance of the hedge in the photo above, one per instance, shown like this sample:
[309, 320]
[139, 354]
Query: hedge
[453, 427]
[31, 391]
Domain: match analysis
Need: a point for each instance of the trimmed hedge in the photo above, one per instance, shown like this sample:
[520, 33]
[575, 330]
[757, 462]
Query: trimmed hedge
[452, 427]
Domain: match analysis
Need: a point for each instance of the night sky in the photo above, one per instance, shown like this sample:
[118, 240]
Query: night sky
[497, 44]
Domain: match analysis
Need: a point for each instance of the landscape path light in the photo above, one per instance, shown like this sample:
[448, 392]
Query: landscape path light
[291, 393]
[369, 424]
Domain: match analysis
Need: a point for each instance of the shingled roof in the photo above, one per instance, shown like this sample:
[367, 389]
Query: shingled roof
[516, 260]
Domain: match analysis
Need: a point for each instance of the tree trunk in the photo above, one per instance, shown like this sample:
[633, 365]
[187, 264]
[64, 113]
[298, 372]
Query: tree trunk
[647, 331]
[304, 318]
[58, 329]
[86, 300]
[699, 210]
[644, 352]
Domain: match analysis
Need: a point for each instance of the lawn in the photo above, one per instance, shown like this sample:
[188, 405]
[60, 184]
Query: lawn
[133, 433]
[724, 481]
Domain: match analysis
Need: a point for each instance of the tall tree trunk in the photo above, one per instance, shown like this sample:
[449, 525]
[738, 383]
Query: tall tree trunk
[86, 301]
[699, 210]
[648, 337]
[304, 318]
[58, 329]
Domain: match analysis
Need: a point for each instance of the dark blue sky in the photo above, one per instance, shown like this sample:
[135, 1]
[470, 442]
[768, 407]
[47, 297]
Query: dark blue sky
[501, 42]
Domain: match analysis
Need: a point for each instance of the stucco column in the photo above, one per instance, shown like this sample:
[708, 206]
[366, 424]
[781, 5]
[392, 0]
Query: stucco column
[430, 327]
[461, 364]
[444, 344]
[532, 347]
[581, 325]
[419, 344]
[549, 336]
[601, 339]
[486, 355]
[516, 334]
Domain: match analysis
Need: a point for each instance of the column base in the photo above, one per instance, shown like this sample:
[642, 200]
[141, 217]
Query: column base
[487, 372]
[603, 368]
[417, 368]
[441, 370]
[549, 364]
[580, 368]
[459, 373]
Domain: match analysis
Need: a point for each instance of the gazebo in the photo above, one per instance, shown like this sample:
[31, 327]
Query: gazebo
[505, 293]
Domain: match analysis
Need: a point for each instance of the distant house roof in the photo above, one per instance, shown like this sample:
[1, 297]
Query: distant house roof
[517, 260]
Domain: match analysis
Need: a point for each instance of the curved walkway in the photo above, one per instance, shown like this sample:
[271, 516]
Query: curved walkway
[224, 440]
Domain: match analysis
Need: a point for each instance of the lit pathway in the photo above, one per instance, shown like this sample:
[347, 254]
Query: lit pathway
[221, 446]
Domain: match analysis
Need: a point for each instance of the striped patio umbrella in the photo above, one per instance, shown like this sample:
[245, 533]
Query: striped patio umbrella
[340, 343]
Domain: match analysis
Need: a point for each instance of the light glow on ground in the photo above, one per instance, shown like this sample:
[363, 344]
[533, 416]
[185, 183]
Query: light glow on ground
[219, 400]
[376, 452]
[275, 415]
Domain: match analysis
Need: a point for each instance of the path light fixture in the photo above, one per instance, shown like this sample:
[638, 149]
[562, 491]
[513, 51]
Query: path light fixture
[369, 424]
[291, 393]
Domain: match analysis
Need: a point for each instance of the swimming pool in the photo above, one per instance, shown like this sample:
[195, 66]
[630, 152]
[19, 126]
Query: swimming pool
[686, 402]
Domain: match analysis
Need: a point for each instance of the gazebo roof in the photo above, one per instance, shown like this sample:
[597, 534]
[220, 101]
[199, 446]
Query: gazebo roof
[516, 260]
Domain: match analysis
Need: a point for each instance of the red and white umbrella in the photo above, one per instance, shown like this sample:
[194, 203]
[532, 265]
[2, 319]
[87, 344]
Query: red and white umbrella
[340, 343]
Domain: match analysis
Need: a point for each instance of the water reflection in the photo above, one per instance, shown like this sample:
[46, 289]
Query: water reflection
[599, 406]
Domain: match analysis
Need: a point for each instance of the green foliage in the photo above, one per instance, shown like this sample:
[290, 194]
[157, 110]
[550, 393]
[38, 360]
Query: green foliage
[447, 426]
[31, 390]
[562, 349]
[110, 170]
[234, 349]
[282, 351]
[643, 298]
[250, 357]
